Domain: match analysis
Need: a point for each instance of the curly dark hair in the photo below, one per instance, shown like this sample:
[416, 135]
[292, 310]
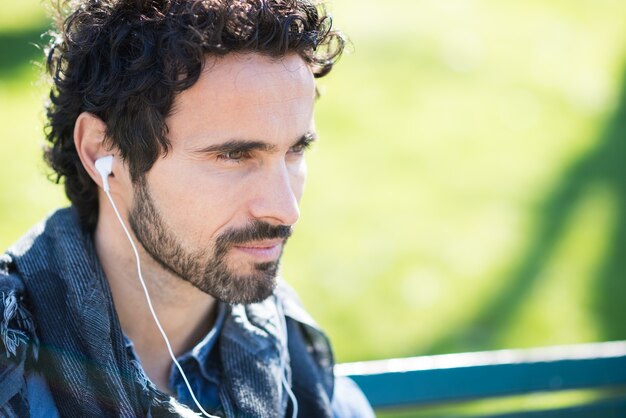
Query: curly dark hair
[125, 61]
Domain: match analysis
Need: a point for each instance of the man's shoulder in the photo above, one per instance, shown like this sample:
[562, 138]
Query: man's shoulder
[19, 344]
[31, 257]
[49, 249]
[36, 256]
[44, 233]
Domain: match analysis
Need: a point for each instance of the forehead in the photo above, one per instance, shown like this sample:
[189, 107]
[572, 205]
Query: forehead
[246, 96]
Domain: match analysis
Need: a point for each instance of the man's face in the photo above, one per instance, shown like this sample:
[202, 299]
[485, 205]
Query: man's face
[217, 208]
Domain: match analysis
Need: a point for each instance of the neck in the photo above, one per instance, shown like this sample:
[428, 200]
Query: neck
[185, 313]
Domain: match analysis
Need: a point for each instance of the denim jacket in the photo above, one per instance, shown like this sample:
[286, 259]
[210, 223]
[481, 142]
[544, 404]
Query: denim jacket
[58, 320]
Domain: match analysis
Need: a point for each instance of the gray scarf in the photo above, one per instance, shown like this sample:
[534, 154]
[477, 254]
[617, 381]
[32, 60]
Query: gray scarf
[83, 357]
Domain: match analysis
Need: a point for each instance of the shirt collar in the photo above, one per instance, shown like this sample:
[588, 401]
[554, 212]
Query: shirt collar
[200, 352]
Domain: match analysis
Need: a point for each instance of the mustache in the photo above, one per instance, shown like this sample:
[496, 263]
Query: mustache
[254, 231]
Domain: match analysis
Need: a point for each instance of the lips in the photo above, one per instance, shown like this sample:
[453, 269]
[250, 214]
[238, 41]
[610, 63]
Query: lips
[263, 250]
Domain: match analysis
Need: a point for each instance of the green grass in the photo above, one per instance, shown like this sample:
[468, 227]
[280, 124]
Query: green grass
[467, 192]
[17, 15]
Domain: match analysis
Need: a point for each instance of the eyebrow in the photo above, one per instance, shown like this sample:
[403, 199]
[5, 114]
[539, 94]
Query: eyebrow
[242, 145]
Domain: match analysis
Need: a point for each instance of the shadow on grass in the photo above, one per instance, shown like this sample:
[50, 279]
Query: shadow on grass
[20, 49]
[605, 165]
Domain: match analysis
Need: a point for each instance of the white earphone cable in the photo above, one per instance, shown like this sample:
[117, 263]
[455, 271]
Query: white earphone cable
[156, 320]
[283, 325]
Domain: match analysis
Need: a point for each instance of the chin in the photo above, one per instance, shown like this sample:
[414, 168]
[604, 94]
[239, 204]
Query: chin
[240, 288]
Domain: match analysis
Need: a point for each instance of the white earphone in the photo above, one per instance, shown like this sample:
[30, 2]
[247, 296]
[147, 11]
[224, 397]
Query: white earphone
[104, 166]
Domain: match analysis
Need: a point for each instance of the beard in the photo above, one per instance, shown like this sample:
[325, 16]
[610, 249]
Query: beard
[206, 269]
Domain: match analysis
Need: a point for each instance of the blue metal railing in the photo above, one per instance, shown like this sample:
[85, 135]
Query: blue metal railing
[451, 378]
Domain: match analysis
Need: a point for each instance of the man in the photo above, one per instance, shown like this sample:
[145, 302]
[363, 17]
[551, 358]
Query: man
[179, 129]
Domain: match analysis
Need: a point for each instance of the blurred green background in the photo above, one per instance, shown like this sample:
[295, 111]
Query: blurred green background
[469, 188]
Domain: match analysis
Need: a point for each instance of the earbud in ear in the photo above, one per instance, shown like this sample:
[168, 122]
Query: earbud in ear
[104, 165]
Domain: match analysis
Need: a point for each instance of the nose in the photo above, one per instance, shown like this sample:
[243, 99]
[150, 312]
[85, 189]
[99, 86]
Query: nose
[276, 195]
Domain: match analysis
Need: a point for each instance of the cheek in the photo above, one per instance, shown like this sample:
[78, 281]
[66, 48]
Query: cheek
[298, 174]
[196, 205]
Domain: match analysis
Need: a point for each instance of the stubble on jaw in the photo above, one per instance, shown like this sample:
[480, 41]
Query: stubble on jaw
[206, 269]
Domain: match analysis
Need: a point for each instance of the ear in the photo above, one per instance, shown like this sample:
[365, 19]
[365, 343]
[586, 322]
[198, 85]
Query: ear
[89, 139]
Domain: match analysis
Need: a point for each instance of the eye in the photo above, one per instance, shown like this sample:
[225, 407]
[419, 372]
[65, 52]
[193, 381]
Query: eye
[297, 149]
[237, 155]
[300, 147]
